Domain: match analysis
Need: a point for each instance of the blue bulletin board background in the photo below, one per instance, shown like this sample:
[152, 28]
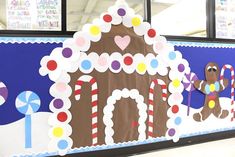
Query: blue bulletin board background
[198, 57]
[20, 62]
[19, 65]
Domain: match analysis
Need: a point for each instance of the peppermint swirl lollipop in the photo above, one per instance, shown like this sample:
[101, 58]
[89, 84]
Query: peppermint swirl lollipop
[3, 93]
[188, 81]
[27, 103]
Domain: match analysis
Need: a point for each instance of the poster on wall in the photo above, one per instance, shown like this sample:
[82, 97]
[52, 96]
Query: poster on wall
[225, 19]
[33, 14]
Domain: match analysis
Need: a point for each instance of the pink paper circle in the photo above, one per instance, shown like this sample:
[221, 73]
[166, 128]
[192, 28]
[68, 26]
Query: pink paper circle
[102, 61]
[61, 87]
[80, 41]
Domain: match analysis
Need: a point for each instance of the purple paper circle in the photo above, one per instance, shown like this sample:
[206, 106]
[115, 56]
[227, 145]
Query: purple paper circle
[181, 67]
[171, 132]
[58, 103]
[121, 12]
[67, 52]
[116, 65]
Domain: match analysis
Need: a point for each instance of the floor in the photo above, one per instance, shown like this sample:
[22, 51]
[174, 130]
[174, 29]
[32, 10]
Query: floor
[221, 148]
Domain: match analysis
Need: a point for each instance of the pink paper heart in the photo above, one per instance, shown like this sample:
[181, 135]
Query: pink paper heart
[122, 42]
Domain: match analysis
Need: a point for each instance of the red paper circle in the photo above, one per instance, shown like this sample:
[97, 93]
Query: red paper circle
[62, 117]
[51, 65]
[128, 60]
[151, 33]
[175, 109]
[107, 18]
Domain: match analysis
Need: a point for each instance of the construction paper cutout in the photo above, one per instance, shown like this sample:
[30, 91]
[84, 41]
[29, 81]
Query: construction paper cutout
[128, 63]
[86, 65]
[94, 102]
[115, 62]
[60, 90]
[211, 104]
[188, 82]
[28, 103]
[122, 42]
[3, 93]
[50, 66]
[142, 28]
[151, 104]
[166, 58]
[61, 144]
[109, 108]
[231, 69]
[59, 104]
[152, 64]
[150, 36]
[81, 41]
[102, 63]
[176, 86]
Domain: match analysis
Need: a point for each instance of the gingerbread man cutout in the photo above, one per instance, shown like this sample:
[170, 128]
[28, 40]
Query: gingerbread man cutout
[211, 88]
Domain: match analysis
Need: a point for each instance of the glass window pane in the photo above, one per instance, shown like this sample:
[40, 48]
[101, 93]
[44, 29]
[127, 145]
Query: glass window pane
[30, 15]
[80, 12]
[179, 17]
[225, 19]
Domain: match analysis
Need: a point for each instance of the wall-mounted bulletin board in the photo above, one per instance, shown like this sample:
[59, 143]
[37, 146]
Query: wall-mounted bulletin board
[115, 88]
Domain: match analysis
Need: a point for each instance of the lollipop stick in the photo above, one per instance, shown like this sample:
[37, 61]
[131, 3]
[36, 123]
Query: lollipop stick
[28, 142]
[189, 100]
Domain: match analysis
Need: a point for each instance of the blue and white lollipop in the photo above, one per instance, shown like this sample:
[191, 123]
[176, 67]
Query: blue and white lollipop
[28, 103]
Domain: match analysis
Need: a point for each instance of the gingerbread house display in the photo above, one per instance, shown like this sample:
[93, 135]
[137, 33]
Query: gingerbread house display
[117, 80]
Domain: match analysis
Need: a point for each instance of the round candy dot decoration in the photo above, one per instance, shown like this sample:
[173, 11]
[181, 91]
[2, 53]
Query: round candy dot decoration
[107, 18]
[136, 21]
[58, 103]
[58, 132]
[171, 132]
[51, 65]
[121, 12]
[67, 52]
[172, 55]
[3, 93]
[95, 30]
[62, 117]
[62, 144]
[151, 33]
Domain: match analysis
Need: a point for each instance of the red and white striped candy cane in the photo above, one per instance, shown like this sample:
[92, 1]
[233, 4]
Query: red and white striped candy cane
[94, 103]
[154, 83]
[230, 67]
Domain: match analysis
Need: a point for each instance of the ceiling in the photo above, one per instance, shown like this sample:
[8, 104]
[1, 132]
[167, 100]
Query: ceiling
[80, 12]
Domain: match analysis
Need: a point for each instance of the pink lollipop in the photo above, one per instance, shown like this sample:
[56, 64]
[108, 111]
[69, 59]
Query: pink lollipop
[188, 81]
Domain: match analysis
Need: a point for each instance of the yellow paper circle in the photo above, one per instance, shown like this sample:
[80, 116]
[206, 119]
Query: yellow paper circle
[176, 83]
[212, 87]
[211, 104]
[58, 132]
[141, 67]
[95, 30]
[136, 21]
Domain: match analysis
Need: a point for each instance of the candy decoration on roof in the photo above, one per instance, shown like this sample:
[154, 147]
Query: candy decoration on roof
[188, 81]
[229, 67]
[28, 103]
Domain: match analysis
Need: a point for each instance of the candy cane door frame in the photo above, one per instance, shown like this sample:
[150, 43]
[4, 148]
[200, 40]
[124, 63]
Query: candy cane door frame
[94, 102]
[154, 83]
[109, 108]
